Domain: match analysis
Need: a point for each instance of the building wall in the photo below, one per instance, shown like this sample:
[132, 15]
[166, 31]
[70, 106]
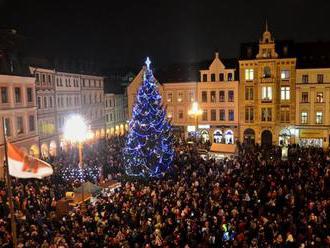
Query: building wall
[92, 103]
[313, 98]
[46, 110]
[25, 135]
[273, 112]
[116, 114]
[178, 98]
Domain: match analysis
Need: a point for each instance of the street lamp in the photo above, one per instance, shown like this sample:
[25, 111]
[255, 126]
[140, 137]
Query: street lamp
[76, 131]
[195, 111]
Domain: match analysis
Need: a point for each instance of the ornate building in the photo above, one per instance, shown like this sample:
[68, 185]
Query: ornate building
[267, 102]
[46, 113]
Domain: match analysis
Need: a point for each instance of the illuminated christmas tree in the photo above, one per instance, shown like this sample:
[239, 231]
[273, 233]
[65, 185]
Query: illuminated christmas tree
[148, 151]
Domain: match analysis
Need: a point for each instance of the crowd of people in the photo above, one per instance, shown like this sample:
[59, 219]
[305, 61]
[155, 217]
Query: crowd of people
[254, 199]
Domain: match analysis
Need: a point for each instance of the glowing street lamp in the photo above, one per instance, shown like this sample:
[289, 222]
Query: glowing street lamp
[76, 131]
[195, 111]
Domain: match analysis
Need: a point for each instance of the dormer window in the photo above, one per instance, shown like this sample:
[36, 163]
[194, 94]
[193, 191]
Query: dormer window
[204, 77]
[221, 77]
[230, 76]
[213, 77]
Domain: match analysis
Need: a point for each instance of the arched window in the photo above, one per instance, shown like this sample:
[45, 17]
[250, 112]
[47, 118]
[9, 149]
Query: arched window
[267, 72]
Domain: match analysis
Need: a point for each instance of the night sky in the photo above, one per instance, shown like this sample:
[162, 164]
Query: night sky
[122, 33]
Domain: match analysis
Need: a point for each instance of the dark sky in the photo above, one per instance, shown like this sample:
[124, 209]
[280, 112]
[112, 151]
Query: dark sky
[121, 33]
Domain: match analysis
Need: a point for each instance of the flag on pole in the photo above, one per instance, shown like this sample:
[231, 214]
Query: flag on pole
[22, 165]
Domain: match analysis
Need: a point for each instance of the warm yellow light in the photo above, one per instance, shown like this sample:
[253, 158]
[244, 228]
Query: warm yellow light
[75, 129]
[195, 110]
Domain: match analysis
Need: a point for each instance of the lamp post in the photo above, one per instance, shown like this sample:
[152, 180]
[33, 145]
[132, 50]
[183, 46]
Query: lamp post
[195, 111]
[76, 131]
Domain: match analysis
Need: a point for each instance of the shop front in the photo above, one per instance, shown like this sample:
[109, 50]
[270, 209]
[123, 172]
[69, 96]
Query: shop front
[312, 137]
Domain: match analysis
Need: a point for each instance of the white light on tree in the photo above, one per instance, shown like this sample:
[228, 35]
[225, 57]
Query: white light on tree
[75, 129]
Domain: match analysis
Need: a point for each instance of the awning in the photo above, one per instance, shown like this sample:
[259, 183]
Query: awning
[223, 148]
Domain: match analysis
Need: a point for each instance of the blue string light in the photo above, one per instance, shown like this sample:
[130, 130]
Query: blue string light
[149, 151]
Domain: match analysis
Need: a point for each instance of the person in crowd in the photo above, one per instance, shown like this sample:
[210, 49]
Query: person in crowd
[253, 199]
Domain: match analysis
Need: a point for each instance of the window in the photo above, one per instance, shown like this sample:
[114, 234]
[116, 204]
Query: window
[4, 95]
[221, 77]
[319, 118]
[213, 97]
[249, 74]
[169, 97]
[204, 77]
[231, 115]
[285, 74]
[50, 102]
[230, 76]
[266, 114]
[230, 96]
[304, 117]
[319, 97]
[20, 127]
[204, 96]
[249, 114]
[39, 102]
[213, 77]
[45, 102]
[266, 93]
[222, 115]
[213, 115]
[204, 116]
[304, 97]
[31, 123]
[319, 78]
[285, 114]
[248, 93]
[49, 79]
[17, 95]
[180, 114]
[221, 96]
[305, 79]
[7, 126]
[267, 72]
[180, 97]
[29, 95]
[285, 93]
[37, 78]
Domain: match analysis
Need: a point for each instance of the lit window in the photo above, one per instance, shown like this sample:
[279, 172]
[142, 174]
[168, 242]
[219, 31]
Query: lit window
[266, 114]
[169, 97]
[319, 117]
[267, 72]
[319, 97]
[249, 74]
[213, 98]
[267, 93]
[285, 74]
[285, 93]
[180, 97]
[304, 117]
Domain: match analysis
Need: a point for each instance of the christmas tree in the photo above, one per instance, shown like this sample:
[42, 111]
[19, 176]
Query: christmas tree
[148, 151]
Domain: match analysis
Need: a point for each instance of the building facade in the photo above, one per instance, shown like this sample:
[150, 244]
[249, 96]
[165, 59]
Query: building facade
[68, 100]
[116, 114]
[18, 108]
[46, 110]
[216, 93]
[313, 107]
[92, 103]
[267, 99]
